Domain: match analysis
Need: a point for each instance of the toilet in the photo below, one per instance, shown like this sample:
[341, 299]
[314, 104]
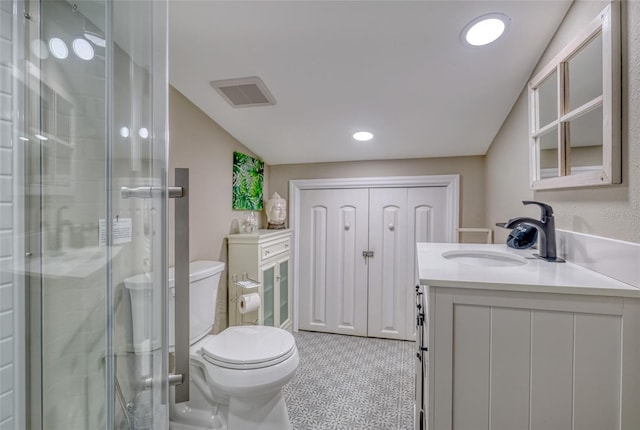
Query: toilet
[236, 376]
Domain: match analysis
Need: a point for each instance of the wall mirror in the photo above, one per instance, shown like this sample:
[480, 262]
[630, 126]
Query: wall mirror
[574, 110]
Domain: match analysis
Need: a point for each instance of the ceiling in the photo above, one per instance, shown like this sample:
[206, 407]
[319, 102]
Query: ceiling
[395, 68]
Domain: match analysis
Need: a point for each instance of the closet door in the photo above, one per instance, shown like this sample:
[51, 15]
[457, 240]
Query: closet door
[333, 272]
[389, 289]
[398, 218]
[427, 212]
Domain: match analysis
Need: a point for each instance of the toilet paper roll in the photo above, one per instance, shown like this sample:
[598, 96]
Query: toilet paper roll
[248, 303]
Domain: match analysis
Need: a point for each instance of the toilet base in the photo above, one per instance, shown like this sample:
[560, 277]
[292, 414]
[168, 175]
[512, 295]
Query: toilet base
[183, 417]
[265, 411]
[197, 413]
[259, 413]
[254, 414]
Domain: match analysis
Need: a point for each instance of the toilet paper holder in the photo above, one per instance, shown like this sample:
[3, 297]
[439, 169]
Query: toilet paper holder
[242, 286]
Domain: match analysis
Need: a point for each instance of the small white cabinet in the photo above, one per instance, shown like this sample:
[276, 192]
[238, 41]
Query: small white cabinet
[264, 256]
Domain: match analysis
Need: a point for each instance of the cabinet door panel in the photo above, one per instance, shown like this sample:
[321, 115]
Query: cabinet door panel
[284, 292]
[471, 363]
[597, 346]
[551, 370]
[268, 292]
[510, 360]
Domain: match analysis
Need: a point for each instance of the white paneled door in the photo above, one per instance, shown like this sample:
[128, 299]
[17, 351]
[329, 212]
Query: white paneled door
[333, 272]
[389, 290]
[341, 289]
[426, 209]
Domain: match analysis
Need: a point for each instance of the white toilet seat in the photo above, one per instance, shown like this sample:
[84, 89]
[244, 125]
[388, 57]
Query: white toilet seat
[236, 366]
[248, 347]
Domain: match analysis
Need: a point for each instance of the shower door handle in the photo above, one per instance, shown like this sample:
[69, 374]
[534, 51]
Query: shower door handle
[180, 192]
[148, 192]
[181, 255]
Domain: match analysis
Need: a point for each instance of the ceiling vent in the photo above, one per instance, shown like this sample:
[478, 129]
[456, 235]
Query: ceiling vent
[244, 92]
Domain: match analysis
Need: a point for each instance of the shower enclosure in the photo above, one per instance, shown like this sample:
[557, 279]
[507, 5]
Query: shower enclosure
[83, 112]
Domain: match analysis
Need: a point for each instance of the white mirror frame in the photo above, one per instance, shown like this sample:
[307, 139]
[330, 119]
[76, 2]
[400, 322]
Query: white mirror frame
[606, 23]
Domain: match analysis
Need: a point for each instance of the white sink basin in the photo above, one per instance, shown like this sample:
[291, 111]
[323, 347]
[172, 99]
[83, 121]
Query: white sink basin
[480, 258]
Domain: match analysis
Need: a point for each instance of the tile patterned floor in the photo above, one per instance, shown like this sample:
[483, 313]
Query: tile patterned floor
[351, 383]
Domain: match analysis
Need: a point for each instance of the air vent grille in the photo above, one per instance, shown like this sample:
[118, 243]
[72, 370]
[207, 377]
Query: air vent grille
[244, 92]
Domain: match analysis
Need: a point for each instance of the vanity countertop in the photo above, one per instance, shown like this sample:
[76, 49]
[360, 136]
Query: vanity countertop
[535, 276]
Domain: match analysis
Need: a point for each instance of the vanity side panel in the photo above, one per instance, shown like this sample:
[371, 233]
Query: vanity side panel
[551, 370]
[440, 358]
[597, 371]
[510, 364]
[631, 365]
[471, 364]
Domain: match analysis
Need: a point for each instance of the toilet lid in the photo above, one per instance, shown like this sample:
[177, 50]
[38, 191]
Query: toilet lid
[249, 347]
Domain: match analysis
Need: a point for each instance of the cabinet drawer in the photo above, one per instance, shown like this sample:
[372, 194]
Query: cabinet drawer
[269, 250]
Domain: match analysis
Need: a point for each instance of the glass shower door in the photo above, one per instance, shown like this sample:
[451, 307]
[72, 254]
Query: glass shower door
[94, 80]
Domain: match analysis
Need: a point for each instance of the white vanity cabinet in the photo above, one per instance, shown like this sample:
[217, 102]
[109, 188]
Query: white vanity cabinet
[504, 359]
[264, 256]
[546, 346]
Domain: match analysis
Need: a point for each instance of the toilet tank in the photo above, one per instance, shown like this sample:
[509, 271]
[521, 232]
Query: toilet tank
[204, 277]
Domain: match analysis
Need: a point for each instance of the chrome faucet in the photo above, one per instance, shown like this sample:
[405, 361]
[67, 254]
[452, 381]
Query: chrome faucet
[546, 227]
[60, 224]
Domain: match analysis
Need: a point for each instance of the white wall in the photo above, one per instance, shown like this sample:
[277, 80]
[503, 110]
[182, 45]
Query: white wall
[610, 211]
[470, 169]
[8, 336]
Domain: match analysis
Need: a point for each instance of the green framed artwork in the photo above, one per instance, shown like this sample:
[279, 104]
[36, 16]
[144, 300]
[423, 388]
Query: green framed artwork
[248, 177]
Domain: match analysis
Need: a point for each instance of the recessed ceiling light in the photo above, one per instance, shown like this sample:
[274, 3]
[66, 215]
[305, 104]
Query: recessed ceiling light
[58, 48]
[24, 139]
[485, 29]
[83, 49]
[143, 132]
[124, 132]
[363, 136]
[41, 137]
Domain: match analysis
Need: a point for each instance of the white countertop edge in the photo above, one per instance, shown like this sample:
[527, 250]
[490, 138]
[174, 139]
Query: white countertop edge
[530, 288]
[537, 276]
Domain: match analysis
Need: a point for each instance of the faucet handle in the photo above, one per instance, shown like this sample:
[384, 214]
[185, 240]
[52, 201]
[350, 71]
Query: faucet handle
[547, 211]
